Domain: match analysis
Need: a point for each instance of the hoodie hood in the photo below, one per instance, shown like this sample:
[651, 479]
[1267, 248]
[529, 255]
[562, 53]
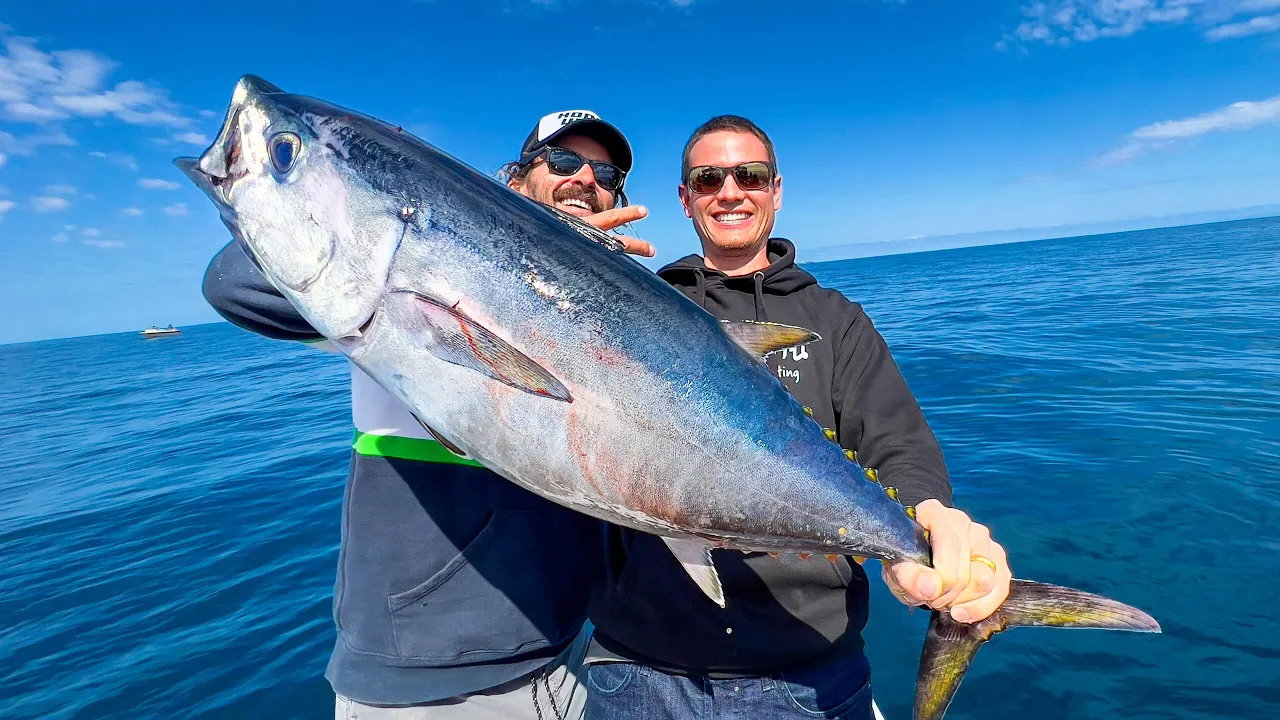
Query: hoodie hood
[782, 277]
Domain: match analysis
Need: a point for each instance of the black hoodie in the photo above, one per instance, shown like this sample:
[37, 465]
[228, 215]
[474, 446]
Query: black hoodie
[780, 612]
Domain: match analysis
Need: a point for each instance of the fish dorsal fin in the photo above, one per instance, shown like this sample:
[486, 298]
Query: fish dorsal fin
[589, 231]
[455, 338]
[762, 338]
[442, 440]
[696, 559]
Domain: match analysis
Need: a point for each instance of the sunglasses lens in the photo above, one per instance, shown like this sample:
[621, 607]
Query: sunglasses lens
[568, 162]
[752, 175]
[705, 179]
[563, 162]
[606, 175]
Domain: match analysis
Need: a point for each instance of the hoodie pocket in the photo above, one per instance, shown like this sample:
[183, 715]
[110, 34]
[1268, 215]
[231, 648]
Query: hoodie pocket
[482, 606]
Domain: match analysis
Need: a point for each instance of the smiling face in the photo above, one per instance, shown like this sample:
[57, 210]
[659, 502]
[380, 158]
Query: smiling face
[575, 194]
[734, 224]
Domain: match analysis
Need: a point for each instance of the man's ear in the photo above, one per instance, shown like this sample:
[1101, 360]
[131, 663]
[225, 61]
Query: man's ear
[685, 199]
[777, 194]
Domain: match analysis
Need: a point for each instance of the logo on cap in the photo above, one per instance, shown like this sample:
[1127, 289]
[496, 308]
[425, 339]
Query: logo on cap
[555, 121]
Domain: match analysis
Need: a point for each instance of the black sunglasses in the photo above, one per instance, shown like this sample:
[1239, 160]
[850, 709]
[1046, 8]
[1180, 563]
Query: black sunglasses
[706, 179]
[567, 162]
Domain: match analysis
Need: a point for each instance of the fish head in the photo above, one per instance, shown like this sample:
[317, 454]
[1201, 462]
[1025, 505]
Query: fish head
[288, 185]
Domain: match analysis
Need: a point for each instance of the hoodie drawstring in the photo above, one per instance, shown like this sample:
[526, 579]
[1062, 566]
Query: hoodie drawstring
[761, 316]
[700, 289]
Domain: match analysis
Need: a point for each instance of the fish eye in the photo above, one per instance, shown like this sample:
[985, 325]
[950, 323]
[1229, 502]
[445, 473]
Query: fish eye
[284, 149]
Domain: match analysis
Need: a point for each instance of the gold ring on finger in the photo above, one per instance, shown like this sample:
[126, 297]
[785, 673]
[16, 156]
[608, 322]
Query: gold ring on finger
[985, 561]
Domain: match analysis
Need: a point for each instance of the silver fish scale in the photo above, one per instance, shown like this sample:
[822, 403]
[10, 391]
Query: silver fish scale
[672, 428]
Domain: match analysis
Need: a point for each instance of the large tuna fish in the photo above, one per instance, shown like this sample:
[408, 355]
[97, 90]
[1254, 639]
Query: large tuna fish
[526, 340]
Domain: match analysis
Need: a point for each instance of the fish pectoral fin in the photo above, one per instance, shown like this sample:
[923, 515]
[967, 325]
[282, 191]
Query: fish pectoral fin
[949, 646]
[589, 231]
[456, 338]
[762, 338]
[442, 440]
[696, 559]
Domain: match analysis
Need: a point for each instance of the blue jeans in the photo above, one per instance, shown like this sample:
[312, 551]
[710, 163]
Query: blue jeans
[838, 689]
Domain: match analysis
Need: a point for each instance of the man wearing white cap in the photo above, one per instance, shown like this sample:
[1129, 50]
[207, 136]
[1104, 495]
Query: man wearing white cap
[578, 163]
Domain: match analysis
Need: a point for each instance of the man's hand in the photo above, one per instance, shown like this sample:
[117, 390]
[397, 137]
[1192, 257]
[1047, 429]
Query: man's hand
[960, 580]
[610, 219]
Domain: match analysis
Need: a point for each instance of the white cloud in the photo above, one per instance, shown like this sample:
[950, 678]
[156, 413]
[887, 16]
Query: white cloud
[84, 70]
[1121, 155]
[26, 112]
[176, 209]
[208, 114]
[1234, 117]
[157, 184]
[48, 203]
[61, 238]
[40, 87]
[131, 212]
[103, 243]
[49, 88]
[1254, 26]
[1063, 22]
[124, 160]
[60, 189]
[90, 232]
[194, 138]
[1259, 5]
[27, 144]
[5, 206]
[130, 101]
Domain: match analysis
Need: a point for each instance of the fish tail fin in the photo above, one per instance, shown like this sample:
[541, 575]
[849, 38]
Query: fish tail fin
[950, 646]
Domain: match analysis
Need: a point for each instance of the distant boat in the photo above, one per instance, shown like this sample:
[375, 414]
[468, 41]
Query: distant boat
[154, 331]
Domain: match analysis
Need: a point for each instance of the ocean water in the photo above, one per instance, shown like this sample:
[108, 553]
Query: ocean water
[1109, 406]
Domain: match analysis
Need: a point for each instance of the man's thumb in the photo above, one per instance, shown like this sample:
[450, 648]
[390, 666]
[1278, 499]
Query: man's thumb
[918, 581]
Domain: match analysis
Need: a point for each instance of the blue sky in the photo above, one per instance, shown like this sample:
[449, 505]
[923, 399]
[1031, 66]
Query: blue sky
[894, 121]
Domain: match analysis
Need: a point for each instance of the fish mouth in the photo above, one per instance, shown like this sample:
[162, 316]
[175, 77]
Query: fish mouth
[208, 184]
[224, 163]
[220, 167]
[354, 342]
[228, 160]
[212, 187]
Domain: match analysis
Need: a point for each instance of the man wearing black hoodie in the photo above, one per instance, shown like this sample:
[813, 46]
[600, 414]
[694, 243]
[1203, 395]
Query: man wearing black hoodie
[788, 644]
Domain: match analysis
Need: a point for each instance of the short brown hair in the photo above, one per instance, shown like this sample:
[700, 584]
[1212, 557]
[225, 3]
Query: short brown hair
[725, 123]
